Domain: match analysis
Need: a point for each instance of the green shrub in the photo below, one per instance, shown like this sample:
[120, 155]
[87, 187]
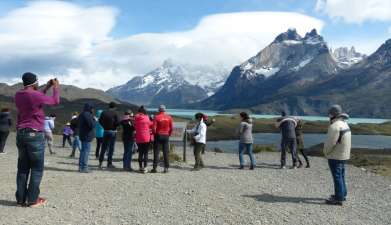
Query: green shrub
[172, 155]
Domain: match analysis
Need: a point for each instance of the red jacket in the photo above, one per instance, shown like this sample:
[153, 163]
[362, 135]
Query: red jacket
[143, 127]
[162, 124]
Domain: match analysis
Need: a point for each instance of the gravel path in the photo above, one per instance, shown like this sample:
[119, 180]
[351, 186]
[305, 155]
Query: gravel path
[219, 194]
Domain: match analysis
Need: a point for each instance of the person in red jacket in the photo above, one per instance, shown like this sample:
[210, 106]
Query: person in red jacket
[162, 129]
[143, 126]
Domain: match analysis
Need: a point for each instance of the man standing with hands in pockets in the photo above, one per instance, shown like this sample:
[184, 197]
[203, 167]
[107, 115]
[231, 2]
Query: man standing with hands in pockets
[30, 138]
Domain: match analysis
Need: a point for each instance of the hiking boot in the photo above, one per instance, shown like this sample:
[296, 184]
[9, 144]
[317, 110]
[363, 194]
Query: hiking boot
[100, 165]
[21, 204]
[110, 166]
[72, 156]
[39, 202]
[241, 167]
[85, 171]
[165, 170]
[334, 202]
[333, 197]
[308, 166]
[153, 170]
[251, 167]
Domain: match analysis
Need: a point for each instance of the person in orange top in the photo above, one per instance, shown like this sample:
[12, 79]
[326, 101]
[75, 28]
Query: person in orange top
[162, 129]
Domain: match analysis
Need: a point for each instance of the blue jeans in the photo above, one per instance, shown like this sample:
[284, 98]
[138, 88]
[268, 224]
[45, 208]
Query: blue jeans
[76, 144]
[31, 156]
[337, 168]
[108, 144]
[84, 154]
[249, 149]
[292, 145]
[128, 153]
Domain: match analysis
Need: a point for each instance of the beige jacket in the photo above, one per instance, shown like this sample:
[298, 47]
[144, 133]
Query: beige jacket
[334, 150]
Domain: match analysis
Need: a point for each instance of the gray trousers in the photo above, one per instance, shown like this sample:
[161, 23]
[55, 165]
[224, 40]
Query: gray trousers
[292, 145]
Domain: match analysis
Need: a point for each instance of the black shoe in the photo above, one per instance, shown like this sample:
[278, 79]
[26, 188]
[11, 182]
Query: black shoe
[72, 156]
[251, 167]
[333, 202]
[282, 167]
[165, 170]
[100, 165]
[110, 166]
[308, 166]
[332, 197]
[241, 167]
[153, 170]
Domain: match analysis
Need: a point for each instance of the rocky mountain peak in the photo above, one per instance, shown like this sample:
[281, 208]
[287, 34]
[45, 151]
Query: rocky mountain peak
[346, 57]
[290, 35]
[313, 37]
[382, 56]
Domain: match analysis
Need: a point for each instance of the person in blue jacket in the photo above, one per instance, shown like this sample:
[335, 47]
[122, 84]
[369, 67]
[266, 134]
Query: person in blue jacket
[87, 134]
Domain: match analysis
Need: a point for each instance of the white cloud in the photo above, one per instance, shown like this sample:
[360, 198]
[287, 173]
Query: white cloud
[50, 37]
[356, 11]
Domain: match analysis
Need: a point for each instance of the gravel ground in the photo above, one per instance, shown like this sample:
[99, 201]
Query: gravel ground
[219, 194]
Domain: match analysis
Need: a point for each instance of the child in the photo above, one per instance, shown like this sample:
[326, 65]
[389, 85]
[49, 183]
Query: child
[66, 135]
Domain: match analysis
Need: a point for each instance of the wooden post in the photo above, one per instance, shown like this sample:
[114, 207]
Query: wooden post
[184, 146]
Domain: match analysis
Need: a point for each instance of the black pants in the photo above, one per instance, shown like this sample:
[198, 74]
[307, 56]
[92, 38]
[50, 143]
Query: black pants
[291, 144]
[161, 140]
[304, 155]
[66, 138]
[143, 154]
[3, 139]
[99, 141]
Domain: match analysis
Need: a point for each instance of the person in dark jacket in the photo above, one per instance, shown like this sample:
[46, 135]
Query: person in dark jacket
[287, 125]
[75, 129]
[86, 134]
[128, 131]
[300, 144]
[5, 124]
[109, 121]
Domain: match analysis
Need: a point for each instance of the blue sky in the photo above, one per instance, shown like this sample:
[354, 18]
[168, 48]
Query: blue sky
[118, 39]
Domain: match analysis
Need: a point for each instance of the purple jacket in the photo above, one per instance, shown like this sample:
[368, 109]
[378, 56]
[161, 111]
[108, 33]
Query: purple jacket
[67, 130]
[29, 104]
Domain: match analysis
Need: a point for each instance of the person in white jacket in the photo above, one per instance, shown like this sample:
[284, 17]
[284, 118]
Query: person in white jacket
[199, 137]
[337, 150]
[48, 129]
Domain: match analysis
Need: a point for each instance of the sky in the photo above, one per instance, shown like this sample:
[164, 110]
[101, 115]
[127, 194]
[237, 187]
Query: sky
[103, 43]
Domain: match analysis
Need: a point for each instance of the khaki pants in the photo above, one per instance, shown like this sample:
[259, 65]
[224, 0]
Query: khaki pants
[49, 141]
[197, 155]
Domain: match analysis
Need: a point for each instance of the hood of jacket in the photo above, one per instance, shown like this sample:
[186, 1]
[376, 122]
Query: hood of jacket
[88, 107]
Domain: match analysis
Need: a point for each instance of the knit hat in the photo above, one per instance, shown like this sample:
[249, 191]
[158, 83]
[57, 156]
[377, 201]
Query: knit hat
[29, 79]
[162, 108]
[112, 105]
[335, 110]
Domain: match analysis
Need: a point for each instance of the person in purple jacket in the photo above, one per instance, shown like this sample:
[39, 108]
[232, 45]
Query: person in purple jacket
[66, 135]
[30, 138]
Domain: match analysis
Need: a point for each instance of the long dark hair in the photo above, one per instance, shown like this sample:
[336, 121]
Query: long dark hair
[244, 116]
[142, 110]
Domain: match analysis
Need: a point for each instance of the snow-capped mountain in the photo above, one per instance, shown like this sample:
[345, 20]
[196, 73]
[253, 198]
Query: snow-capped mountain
[346, 57]
[172, 84]
[288, 63]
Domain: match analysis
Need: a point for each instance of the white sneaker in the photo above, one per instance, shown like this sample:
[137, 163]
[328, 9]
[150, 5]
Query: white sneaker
[3, 153]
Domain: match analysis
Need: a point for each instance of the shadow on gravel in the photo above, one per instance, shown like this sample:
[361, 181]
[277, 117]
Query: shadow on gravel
[8, 203]
[275, 199]
[268, 166]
